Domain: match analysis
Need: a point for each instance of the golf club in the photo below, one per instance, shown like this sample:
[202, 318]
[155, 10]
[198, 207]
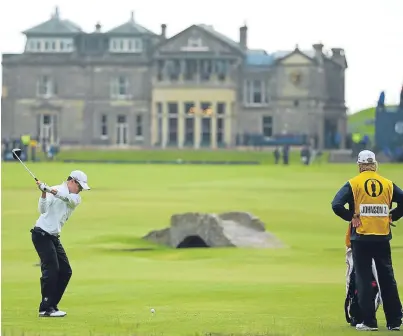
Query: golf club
[16, 154]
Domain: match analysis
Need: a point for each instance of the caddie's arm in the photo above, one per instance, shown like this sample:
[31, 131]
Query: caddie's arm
[343, 196]
[72, 200]
[397, 198]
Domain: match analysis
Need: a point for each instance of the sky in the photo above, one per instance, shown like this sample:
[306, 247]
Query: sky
[368, 30]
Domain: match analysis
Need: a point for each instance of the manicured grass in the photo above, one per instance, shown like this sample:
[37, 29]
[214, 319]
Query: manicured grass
[298, 290]
[263, 157]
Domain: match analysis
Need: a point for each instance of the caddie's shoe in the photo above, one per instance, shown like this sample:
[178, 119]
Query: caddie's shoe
[395, 327]
[363, 327]
[52, 313]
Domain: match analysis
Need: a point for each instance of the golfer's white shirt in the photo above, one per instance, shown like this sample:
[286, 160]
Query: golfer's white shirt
[56, 209]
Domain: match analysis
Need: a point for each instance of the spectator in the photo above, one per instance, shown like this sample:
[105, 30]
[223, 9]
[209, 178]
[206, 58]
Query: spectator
[276, 155]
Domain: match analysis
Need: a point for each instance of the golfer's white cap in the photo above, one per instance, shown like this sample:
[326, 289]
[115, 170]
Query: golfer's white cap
[366, 156]
[81, 178]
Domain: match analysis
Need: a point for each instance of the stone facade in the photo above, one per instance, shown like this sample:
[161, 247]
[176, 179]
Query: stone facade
[130, 86]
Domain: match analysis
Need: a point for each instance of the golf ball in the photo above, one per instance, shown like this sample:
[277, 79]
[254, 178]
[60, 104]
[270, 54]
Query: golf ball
[152, 310]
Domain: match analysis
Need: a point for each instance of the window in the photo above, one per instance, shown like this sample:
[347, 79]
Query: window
[45, 87]
[173, 130]
[159, 126]
[139, 126]
[50, 45]
[120, 87]
[126, 45]
[104, 126]
[189, 108]
[220, 108]
[172, 108]
[255, 92]
[267, 126]
[173, 69]
[206, 131]
[121, 119]
[221, 69]
[206, 69]
[190, 69]
[160, 71]
[46, 119]
[220, 131]
[205, 107]
[189, 130]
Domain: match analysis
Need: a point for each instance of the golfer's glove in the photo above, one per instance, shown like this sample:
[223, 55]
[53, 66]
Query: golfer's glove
[44, 187]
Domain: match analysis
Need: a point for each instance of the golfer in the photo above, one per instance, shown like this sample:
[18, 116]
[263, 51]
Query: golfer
[56, 205]
[370, 198]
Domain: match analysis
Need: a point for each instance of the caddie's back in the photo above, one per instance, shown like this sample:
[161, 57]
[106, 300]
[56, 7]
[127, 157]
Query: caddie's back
[372, 198]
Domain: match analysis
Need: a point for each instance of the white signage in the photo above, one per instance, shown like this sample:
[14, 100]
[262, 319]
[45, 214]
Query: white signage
[399, 127]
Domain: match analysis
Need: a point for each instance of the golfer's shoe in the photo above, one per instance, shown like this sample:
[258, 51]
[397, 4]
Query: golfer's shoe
[397, 328]
[52, 313]
[363, 327]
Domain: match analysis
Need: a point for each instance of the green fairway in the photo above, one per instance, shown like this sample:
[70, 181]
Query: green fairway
[298, 290]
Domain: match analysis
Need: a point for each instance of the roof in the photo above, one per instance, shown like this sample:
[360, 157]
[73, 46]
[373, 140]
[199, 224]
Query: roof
[258, 57]
[54, 26]
[130, 28]
[209, 29]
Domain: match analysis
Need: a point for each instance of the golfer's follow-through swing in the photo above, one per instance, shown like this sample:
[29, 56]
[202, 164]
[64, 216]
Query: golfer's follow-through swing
[370, 197]
[56, 204]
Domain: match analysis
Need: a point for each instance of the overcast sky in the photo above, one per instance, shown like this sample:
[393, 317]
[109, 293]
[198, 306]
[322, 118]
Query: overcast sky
[370, 31]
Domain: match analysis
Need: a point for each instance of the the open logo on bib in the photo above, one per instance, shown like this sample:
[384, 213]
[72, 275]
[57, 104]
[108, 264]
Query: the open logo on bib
[374, 210]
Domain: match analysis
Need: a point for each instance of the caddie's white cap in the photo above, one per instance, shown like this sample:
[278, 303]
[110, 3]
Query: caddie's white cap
[81, 178]
[366, 156]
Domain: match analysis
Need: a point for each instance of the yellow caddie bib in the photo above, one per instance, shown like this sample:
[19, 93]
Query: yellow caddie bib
[372, 200]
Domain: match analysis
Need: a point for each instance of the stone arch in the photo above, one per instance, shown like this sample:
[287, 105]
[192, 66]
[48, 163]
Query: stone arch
[192, 241]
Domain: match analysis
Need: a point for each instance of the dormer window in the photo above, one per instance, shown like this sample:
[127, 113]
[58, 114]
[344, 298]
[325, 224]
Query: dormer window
[50, 45]
[126, 45]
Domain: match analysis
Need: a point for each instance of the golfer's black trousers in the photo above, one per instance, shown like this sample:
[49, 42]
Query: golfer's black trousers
[55, 267]
[363, 253]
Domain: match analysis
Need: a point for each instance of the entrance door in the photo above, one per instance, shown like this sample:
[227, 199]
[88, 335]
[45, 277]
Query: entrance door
[47, 126]
[122, 131]
[330, 133]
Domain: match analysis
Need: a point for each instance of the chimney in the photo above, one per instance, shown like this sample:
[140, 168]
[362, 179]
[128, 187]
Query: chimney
[338, 56]
[164, 30]
[318, 47]
[243, 36]
[98, 27]
[336, 52]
